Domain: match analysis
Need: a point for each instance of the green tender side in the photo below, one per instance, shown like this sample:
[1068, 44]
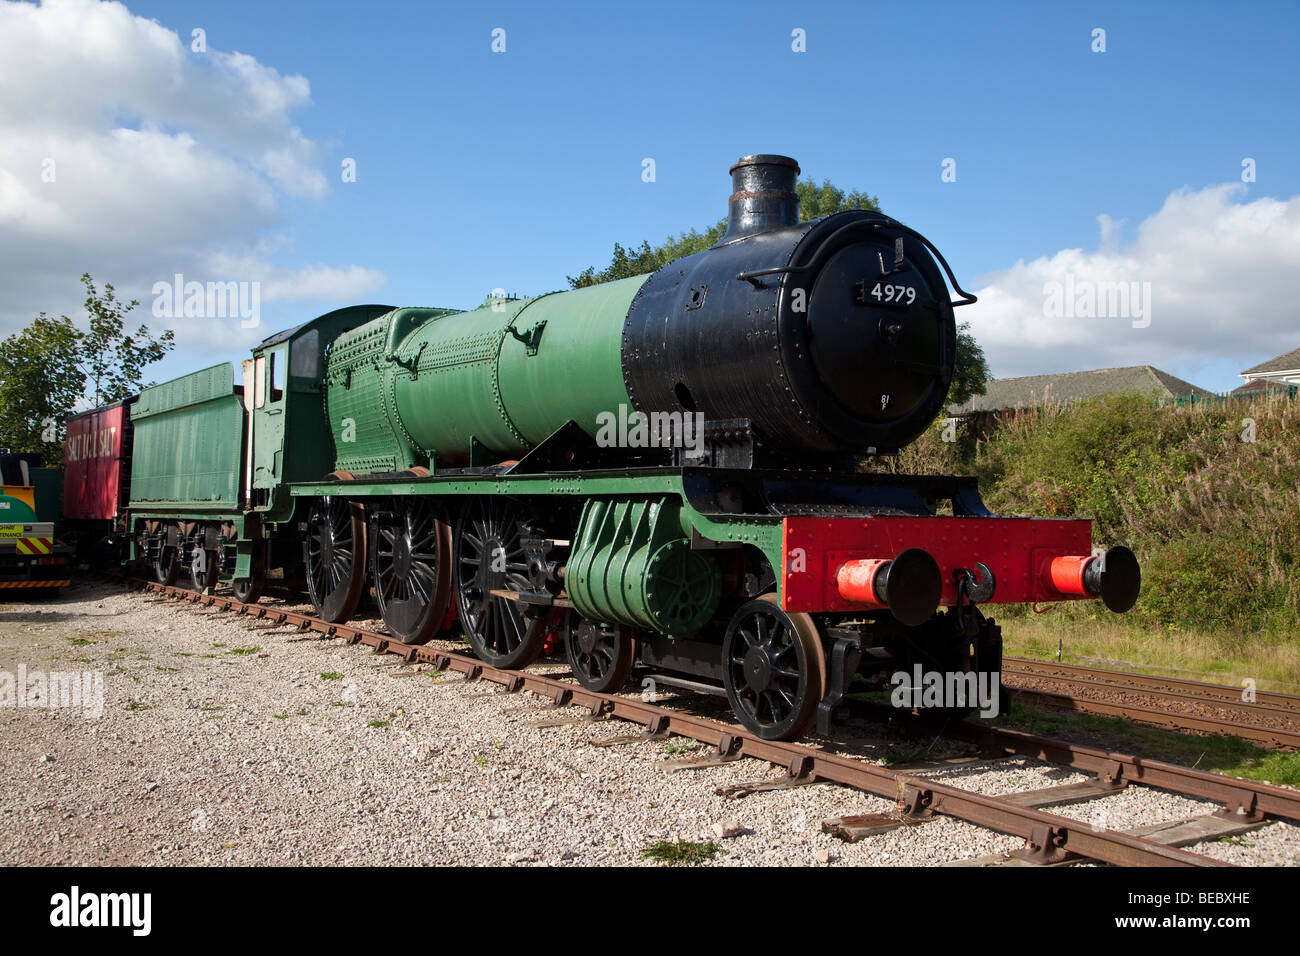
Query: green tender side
[188, 442]
[428, 386]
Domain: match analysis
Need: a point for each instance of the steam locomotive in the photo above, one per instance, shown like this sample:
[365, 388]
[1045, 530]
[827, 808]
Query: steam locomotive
[656, 472]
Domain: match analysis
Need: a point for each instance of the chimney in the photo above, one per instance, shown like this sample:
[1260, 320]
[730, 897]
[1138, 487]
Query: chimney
[762, 195]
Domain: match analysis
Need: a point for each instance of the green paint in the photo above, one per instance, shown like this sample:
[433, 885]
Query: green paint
[662, 484]
[188, 442]
[15, 511]
[359, 382]
[430, 387]
[632, 564]
[291, 437]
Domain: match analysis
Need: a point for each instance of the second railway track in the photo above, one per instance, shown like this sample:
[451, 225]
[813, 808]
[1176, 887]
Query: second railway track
[1270, 719]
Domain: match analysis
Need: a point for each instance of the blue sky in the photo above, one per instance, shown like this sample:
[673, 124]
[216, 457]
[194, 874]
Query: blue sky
[478, 170]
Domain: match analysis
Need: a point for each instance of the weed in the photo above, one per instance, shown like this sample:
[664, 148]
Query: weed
[895, 754]
[1235, 841]
[681, 852]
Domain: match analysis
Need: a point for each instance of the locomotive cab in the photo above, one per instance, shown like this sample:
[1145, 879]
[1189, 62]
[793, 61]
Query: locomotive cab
[287, 437]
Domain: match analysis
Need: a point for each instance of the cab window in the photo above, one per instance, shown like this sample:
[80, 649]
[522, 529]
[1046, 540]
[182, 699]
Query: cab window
[259, 381]
[275, 374]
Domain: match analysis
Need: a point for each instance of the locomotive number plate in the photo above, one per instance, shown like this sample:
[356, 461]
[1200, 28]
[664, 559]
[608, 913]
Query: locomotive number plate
[888, 293]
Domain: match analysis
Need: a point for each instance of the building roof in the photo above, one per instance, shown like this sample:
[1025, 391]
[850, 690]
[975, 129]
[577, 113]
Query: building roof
[1259, 386]
[1033, 390]
[1286, 362]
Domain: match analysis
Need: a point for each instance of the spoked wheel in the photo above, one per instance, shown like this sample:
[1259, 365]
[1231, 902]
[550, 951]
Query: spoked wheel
[248, 590]
[600, 656]
[774, 669]
[167, 566]
[336, 557]
[203, 568]
[412, 568]
[489, 557]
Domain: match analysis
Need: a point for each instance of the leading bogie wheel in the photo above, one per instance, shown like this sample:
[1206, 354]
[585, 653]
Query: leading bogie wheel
[600, 655]
[773, 669]
[411, 555]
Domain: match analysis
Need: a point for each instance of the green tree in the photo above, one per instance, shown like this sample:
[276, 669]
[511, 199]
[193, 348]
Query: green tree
[40, 383]
[114, 362]
[815, 201]
[971, 371]
[52, 366]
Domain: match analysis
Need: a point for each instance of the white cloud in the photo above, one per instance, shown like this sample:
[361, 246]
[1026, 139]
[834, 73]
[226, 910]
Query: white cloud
[163, 161]
[322, 282]
[1221, 271]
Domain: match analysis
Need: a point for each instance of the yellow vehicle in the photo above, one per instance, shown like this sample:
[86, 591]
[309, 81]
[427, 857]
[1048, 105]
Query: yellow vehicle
[30, 556]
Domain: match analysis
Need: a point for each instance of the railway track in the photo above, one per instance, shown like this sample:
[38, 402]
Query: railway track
[1049, 838]
[1271, 719]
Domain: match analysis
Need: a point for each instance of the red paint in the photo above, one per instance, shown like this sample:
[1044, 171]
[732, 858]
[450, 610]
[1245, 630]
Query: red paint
[856, 581]
[1019, 551]
[1066, 574]
[94, 465]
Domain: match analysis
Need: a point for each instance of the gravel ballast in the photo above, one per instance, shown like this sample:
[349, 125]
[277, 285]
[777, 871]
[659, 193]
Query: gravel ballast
[218, 743]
